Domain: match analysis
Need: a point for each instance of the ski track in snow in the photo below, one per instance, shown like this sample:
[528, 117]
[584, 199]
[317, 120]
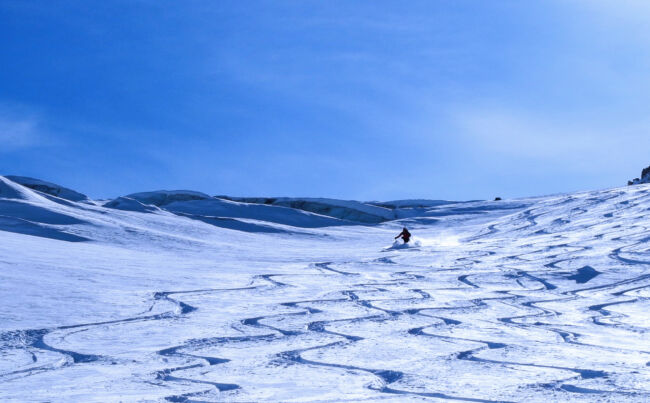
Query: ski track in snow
[544, 302]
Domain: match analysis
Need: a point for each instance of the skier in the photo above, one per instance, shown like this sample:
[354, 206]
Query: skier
[405, 235]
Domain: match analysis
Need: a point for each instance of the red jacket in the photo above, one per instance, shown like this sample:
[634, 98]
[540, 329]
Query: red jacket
[405, 234]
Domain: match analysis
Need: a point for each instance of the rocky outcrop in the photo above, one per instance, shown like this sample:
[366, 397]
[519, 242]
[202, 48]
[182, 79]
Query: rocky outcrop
[645, 177]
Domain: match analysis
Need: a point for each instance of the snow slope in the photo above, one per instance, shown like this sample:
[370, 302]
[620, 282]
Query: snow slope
[540, 299]
[129, 204]
[225, 208]
[349, 210]
[48, 188]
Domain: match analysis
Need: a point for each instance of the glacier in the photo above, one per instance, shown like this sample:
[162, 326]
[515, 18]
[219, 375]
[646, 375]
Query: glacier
[184, 297]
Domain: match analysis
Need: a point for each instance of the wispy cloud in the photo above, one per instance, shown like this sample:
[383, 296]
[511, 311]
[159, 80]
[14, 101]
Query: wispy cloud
[595, 145]
[18, 131]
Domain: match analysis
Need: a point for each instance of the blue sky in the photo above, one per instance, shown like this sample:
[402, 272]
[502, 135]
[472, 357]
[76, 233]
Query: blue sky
[347, 99]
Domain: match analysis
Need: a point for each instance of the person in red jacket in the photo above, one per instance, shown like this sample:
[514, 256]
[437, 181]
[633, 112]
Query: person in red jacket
[405, 235]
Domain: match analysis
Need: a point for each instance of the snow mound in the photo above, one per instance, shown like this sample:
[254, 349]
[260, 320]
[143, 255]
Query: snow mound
[48, 188]
[163, 197]
[348, 210]
[24, 211]
[214, 207]
[128, 204]
[411, 203]
[343, 209]
[251, 226]
[11, 190]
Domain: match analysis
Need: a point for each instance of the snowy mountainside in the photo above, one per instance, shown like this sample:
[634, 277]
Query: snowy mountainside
[225, 208]
[129, 204]
[164, 197]
[343, 209]
[179, 296]
[48, 188]
[410, 203]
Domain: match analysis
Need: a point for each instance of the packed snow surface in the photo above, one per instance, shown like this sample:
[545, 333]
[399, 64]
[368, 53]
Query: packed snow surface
[182, 297]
